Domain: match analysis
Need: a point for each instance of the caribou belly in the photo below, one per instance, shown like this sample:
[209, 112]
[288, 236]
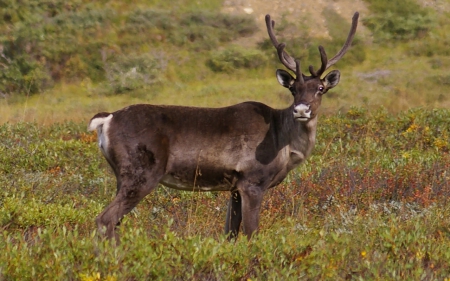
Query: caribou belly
[177, 183]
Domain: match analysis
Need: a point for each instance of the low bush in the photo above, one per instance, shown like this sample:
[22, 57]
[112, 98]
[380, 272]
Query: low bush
[236, 57]
[435, 43]
[47, 43]
[398, 20]
[132, 72]
[41, 47]
[24, 75]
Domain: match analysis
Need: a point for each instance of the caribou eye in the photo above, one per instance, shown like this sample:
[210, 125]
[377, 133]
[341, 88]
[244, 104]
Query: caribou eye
[321, 88]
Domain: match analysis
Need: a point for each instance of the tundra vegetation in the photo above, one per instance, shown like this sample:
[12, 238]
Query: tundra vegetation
[370, 203]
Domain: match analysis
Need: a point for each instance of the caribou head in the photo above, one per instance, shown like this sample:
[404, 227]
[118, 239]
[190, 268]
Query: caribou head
[244, 149]
[308, 90]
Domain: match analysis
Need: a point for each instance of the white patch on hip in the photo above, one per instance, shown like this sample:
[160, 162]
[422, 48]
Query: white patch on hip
[101, 124]
[302, 112]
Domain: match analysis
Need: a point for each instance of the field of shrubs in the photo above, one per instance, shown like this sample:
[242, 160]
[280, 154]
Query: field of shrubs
[371, 203]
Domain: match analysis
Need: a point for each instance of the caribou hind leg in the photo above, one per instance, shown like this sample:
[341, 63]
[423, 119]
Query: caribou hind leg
[129, 195]
[234, 216]
[138, 172]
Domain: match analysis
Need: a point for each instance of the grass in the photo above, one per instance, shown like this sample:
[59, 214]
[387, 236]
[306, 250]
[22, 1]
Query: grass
[77, 103]
[371, 203]
[390, 80]
[393, 249]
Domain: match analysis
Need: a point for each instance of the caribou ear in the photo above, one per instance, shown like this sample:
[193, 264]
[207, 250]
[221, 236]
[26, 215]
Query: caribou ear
[284, 78]
[332, 79]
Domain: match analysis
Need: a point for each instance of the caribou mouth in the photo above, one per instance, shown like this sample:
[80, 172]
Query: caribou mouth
[302, 112]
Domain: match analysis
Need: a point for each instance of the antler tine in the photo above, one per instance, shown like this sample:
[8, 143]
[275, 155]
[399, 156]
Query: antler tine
[298, 72]
[284, 57]
[323, 67]
[347, 43]
[270, 25]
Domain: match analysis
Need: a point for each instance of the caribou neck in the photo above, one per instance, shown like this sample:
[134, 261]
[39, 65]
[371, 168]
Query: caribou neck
[301, 135]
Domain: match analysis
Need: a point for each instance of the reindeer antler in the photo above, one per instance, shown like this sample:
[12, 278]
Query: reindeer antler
[293, 65]
[284, 57]
[327, 64]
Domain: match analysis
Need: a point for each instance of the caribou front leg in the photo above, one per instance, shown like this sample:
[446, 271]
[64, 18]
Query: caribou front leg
[251, 197]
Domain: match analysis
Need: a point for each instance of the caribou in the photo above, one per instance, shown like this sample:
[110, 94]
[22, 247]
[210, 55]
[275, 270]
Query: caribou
[244, 149]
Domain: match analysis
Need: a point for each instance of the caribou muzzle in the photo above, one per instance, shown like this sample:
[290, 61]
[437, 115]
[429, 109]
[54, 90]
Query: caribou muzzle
[302, 112]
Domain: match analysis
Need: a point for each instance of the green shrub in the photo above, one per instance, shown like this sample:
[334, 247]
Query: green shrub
[201, 30]
[132, 72]
[46, 42]
[23, 213]
[443, 80]
[436, 42]
[84, 34]
[236, 25]
[236, 57]
[440, 63]
[23, 74]
[41, 39]
[206, 30]
[398, 20]
[146, 26]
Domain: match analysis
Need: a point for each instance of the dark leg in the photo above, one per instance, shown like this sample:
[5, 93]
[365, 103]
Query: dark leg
[251, 206]
[128, 196]
[234, 216]
[137, 173]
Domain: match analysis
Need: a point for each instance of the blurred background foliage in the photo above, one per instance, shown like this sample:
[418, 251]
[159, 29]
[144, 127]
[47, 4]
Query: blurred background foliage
[124, 47]
[47, 42]
[399, 20]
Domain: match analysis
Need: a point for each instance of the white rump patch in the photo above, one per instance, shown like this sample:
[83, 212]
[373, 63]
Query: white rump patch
[93, 125]
[101, 124]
